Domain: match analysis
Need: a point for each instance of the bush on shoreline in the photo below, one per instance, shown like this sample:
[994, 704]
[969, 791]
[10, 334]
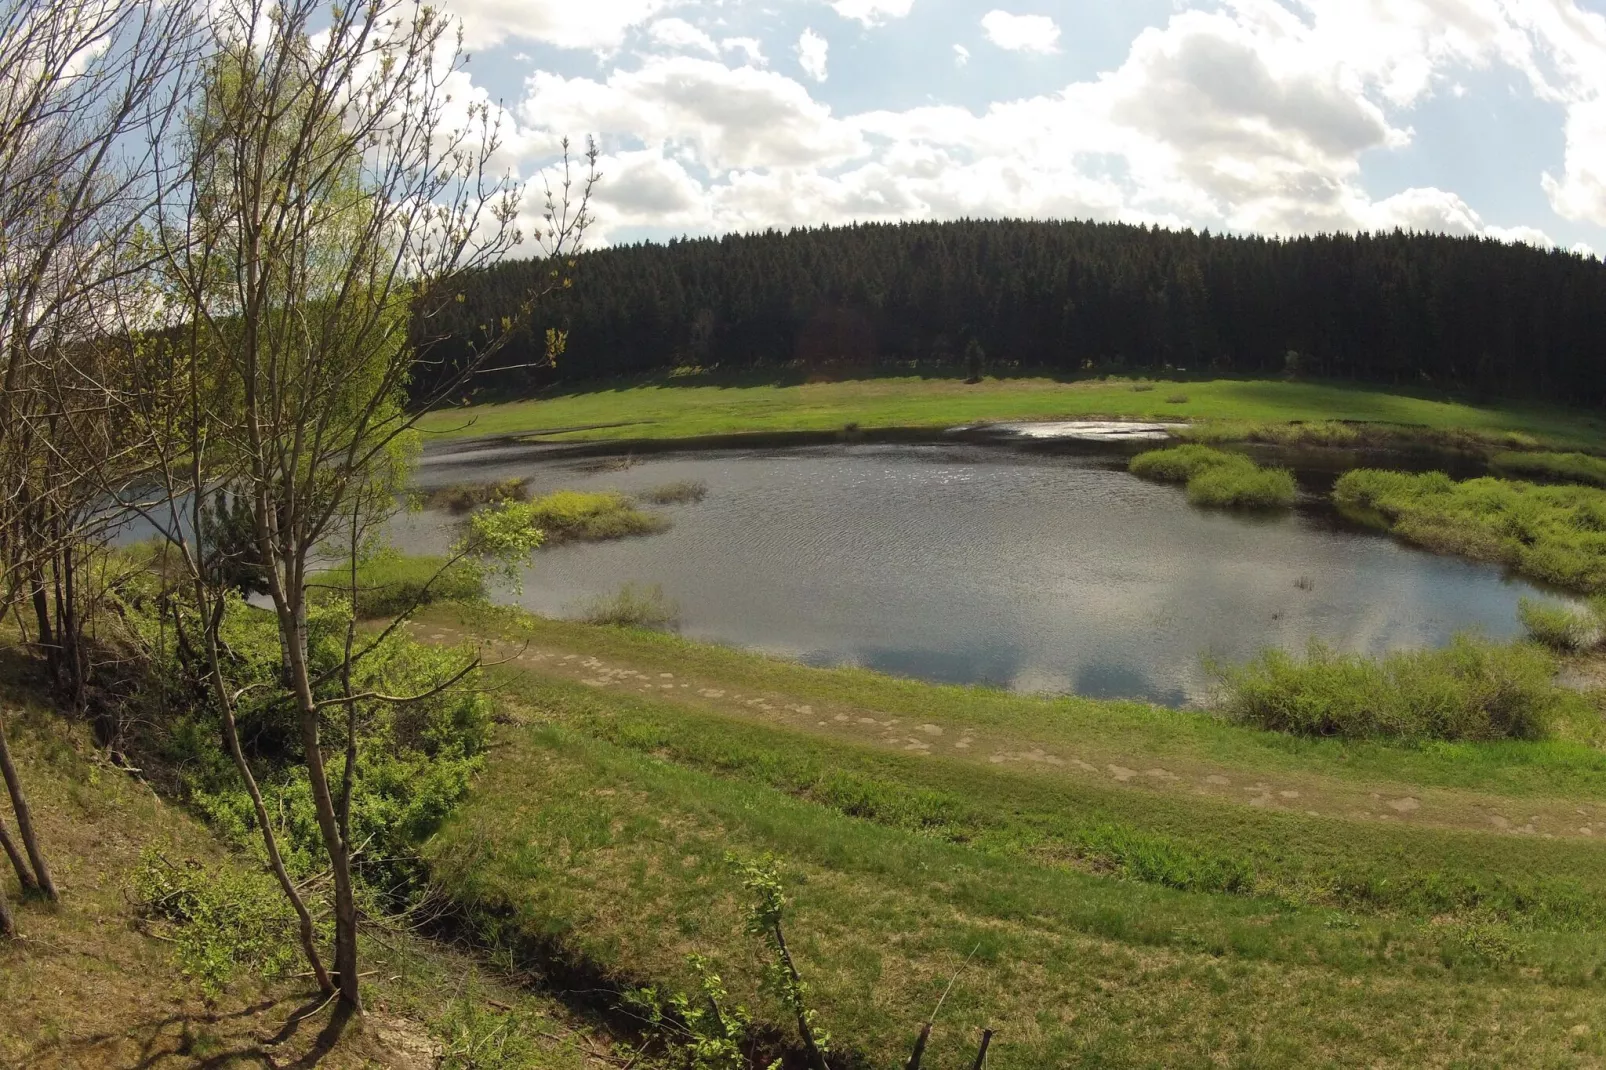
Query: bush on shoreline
[461, 498]
[1217, 478]
[1552, 533]
[586, 516]
[1562, 627]
[1559, 467]
[1473, 689]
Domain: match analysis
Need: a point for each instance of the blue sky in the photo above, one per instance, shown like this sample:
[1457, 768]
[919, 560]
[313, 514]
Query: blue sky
[1270, 116]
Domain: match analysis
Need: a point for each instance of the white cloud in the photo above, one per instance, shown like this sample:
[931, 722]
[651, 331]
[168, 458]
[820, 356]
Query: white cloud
[811, 51]
[749, 47]
[594, 24]
[715, 116]
[1021, 33]
[680, 35]
[872, 12]
[1251, 115]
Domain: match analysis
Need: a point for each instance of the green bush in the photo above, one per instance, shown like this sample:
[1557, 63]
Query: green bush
[1218, 478]
[1567, 628]
[1553, 533]
[633, 607]
[393, 585]
[1471, 690]
[415, 759]
[224, 919]
[1560, 467]
[586, 516]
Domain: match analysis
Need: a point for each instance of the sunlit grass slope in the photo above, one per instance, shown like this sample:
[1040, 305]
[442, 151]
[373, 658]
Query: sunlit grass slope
[675, 408]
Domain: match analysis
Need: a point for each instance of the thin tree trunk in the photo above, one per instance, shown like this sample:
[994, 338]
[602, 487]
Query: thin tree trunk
[8, 927]
[18, 863]
[328, 819]
[19, 805]
[231, 735]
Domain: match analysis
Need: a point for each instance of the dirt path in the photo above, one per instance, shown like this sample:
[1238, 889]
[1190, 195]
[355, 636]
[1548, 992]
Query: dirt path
[1314, 796]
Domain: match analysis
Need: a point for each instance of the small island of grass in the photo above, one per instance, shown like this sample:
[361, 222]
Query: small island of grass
[1217, 478]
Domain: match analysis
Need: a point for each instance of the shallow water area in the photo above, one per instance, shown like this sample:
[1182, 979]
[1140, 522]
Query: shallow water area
[963, 563]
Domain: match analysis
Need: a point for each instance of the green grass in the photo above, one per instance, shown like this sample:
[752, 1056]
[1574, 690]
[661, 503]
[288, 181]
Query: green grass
[1099, 931]
[1555, 467]
[689, 407]
[1556, 534]
[1568, 765]
[392, 584]
[1471, 690]
[591, 516]
[1217, 478]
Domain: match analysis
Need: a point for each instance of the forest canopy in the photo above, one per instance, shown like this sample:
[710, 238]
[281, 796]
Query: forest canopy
[1059, 297]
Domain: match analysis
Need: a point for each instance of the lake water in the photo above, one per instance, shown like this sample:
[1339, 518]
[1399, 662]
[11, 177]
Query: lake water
[1040, 572]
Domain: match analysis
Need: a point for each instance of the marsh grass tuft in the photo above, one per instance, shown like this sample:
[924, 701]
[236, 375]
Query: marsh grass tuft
[1553, 533]
[1562, 627]
[682, 492]
[461, 498]
[633, 607]
[1217, 478]
[1473, 689]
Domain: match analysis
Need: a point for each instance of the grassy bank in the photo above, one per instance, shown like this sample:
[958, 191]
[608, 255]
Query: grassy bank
[98, 982]
[1556, 534]
[1130, 886]
[680, 408]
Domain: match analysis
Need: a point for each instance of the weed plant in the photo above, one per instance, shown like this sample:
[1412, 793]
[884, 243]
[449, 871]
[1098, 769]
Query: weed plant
[633, 607]
[1218, 479]
[683, 492]
[1554, 467]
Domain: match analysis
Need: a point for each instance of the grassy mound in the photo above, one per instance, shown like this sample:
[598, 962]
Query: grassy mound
[1471, 690]
[1569, 629]
[392, 584]
[464, 498]
[591, 516]
[1556, 467]
[1217, 478]
[682, 492]
[1553, 533]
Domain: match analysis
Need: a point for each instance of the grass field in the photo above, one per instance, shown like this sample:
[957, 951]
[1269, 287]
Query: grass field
[1115, 884]
[679, 408]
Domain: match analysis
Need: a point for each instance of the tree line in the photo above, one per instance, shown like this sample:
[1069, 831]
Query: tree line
[1061, 298]
[218, 222]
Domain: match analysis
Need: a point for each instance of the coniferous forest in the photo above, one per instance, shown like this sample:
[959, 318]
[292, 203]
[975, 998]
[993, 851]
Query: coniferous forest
[1495, 319]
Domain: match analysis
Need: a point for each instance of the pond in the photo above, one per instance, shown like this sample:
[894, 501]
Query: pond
[963, 563]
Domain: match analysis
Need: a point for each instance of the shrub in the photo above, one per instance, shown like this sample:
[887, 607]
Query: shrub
[1177, 399]
[586, 516]
[392, 584]
[1562, 627]
[224, 919]
[1553, 533]
[467, 497]
[633, 607]
[684, 492]
[1471, 690]
[1218, 478]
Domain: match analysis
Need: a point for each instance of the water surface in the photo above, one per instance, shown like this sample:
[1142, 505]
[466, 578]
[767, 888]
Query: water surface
[985, 564]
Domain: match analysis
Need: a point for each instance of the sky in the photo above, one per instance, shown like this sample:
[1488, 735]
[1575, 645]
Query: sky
[1280, 117]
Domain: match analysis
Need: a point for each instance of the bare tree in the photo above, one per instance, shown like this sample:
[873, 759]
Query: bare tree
[80, 81]
[334, 192]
